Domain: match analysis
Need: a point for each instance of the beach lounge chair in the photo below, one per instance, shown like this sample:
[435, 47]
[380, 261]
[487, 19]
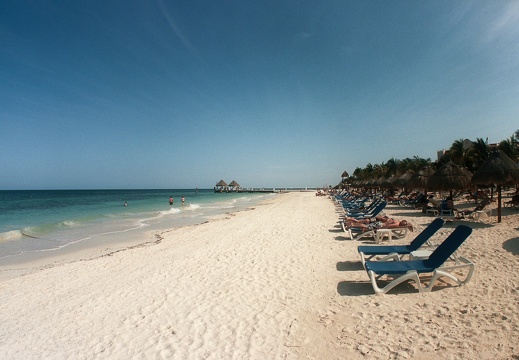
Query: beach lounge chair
[473, 214]
[359, 207]
[513, 202]
[434, 264]
[370, 214]
[418, 201]
[396, 251]
[391, 232]
[356, 233]
[376, 230]
[445, 212]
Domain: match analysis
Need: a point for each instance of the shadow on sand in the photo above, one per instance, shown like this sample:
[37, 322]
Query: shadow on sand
[363, 288]
[470, 224]
[354, 288]
[342, 238]
[412, 214]
[512, 245]
[349, 266]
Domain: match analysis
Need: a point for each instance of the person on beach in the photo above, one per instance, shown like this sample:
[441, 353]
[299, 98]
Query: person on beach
[377, 218]
[171, 201]
[384, 223]
[379, 222]
[183, 199]
[125, 203]
[450, 203]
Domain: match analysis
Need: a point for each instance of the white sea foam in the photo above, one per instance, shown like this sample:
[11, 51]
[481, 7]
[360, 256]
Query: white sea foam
[171, 211]
[192, 207]
[11, 235]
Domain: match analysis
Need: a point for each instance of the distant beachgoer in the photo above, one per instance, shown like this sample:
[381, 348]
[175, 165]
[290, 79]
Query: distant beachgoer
[125, 203]
[171, 201]
[183, 200]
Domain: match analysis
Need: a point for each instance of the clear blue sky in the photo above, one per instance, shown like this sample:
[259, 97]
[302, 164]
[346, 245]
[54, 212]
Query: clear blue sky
[181, 94]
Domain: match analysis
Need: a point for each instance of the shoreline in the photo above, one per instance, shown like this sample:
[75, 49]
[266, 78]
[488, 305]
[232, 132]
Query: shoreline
[279, 282]
[35, 222]
[27, 263]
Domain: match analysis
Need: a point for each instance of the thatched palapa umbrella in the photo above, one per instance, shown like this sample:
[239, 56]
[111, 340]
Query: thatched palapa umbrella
[391, 181]
[403, 180]
[419, 178]
[498, 170]
[449, 177]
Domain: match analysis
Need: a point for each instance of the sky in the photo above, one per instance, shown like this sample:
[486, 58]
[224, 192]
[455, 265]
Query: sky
[181, 94]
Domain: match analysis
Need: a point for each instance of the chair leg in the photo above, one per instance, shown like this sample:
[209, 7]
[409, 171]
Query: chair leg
[411, 275]
[438, 273]
[393, 256]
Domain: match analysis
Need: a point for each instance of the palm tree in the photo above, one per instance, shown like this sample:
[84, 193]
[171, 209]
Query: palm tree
[379, 170]
[368, 171]
[479, 153]
[510, 148]
[420, 163]
[392, 167]
[405, 165]
[459, 153]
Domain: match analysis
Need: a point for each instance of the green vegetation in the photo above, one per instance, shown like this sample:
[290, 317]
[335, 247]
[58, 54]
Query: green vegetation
[468, 154]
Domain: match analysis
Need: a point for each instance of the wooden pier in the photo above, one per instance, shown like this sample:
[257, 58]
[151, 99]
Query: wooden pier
[234, 187]
[262, 190]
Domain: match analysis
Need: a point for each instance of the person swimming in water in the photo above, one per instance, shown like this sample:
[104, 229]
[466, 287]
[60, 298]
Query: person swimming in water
[171, 201]
[183, 199]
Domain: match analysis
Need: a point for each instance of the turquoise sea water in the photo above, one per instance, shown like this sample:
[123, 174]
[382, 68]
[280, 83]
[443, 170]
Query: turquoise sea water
[50, 220]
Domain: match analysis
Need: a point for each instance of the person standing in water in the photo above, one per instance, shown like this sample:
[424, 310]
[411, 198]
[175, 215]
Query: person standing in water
[183, 200]
[171, 201]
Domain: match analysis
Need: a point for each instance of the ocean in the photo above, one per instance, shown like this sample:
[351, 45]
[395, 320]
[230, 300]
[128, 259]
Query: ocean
[40, 223]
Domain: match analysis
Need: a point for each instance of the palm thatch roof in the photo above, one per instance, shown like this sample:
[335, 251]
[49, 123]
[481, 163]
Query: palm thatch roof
[449, 177]
[498, 170]
[403, 180]
[221, 183]
[419, 179]
[234, 184]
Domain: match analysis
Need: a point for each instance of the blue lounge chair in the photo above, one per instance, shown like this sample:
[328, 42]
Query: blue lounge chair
[359, 206]
[445, 212]
[410, 270]
[370, 214]
[419, 199]
[394, 252]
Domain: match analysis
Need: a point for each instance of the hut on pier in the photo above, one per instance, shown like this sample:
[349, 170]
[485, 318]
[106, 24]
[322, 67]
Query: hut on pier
[234, 186]
[221, 186]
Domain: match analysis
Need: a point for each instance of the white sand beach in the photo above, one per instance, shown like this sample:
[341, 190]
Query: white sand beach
[280, 281]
